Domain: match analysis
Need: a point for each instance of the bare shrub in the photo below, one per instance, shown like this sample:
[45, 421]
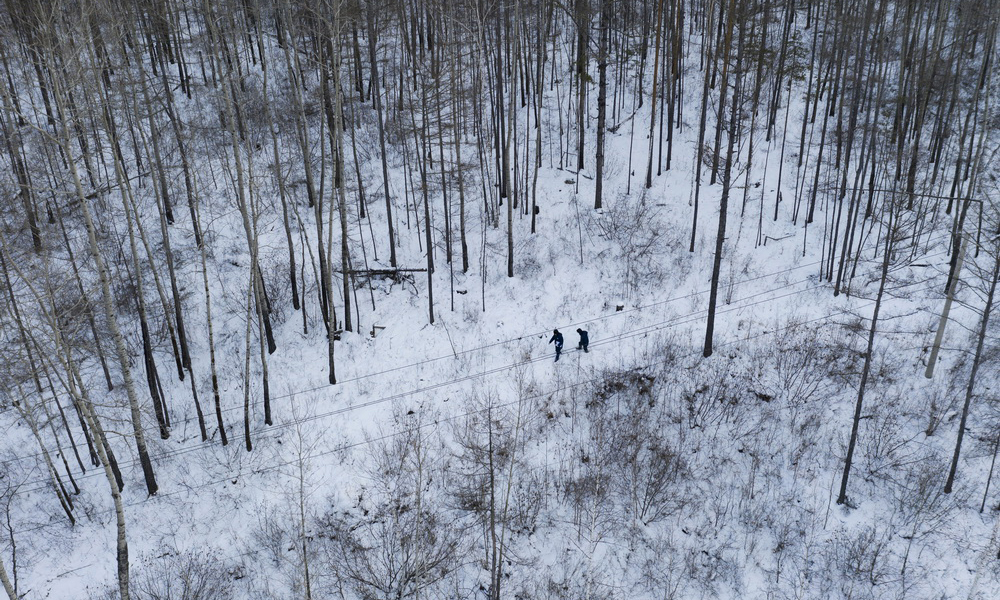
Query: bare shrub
[863, 560]
[630, 453]
[715, 395]
[941, 398]
[712, 569]
[663, 570]
[492, 481]
[397, 538]
[633, 228]
[393, 552]
[885, 448]
[920, 505]
[797, 372]
[201, 574]
[276, 540]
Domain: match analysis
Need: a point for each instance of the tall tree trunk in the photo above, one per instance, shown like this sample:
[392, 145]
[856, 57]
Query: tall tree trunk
[12, 142]
[7, 585]
[976, 362]
[25, 411]
[582, 10]
[342, 196]
[700, 152]
[866, 369]
[152, 376]
[216, 394]
[652, 96]
[85, 407]
[279, 177]
[422, 144]
[377, 95]
[602, 96]
[112, 319]
[727, 174]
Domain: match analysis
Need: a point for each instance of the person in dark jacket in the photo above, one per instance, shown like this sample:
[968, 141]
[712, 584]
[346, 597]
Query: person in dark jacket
[584, 340]
[558, 339]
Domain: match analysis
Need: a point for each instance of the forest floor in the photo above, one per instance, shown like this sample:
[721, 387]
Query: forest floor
[751, 441]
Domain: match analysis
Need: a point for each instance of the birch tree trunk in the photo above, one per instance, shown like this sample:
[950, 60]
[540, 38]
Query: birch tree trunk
[82, 401]
[7, 586]
[109, 305]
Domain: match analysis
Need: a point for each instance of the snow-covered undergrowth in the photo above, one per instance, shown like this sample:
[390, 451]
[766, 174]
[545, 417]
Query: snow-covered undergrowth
[458, 459]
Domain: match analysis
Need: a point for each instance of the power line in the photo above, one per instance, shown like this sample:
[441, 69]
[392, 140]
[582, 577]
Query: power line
[681, 320]
[189, 419]
[629, 334]
[644, 330]
[42, 484]
[274, 467]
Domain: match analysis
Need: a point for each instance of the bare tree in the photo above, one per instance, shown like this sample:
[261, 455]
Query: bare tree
[977, 360]
[395, 541]
[889, 234]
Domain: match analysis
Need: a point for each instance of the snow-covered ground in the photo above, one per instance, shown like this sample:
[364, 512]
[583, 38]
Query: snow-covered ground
[638, 470]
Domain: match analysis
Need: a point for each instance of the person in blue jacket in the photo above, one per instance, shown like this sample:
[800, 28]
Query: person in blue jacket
[584, 340]
[558, 339]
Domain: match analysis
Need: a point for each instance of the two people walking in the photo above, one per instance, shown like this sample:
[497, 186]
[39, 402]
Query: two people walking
[557, 338]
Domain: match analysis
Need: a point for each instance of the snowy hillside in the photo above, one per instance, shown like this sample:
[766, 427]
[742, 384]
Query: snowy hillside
[280, 281]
